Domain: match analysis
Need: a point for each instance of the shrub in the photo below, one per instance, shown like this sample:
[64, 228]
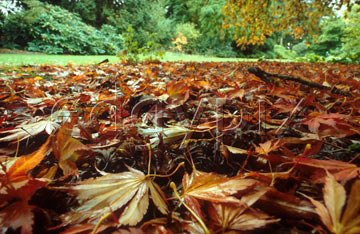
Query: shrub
[147, 18]
[282, 53]
[311, 58]
[301, 48]
[314, 58]
[53, 30]
[225, 51]
[191, 34]
[133, 52]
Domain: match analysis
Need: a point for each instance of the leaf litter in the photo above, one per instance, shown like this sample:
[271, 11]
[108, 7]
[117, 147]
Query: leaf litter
[178, 147]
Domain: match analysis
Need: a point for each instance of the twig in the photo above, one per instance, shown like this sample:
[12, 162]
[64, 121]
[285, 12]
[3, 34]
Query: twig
[266, 77]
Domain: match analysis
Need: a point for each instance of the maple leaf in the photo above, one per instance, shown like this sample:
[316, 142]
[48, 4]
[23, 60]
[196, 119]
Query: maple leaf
[328, 124]
[15, 212]
[20, 168]
[24, 131]
[18, 214]
[64, 147]
[111, 192]
[235, 217]
[239, 217]
[267, 147]
[331, 213]
[214, 187]
[341, 170]
[178, 92]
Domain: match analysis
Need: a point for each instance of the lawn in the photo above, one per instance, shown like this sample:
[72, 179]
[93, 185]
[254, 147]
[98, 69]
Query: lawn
[25, 59]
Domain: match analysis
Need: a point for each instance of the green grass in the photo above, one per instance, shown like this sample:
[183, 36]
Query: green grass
[37, 59]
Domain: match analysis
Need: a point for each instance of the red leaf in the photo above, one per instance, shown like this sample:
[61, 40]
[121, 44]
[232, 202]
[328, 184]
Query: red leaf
[317, 169]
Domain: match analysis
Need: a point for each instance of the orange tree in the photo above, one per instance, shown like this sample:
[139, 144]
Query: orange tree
[255, 20]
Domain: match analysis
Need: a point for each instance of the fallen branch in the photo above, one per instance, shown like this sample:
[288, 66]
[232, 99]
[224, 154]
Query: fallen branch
[267, 77]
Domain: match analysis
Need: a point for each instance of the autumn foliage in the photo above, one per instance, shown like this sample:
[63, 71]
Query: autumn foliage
[179, 148]
[255, 20]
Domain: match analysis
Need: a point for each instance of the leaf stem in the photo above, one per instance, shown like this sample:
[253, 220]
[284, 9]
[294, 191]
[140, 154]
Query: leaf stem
[206, 230]
[149, 165]
[172, 173]
[17, 147]
[100, 222]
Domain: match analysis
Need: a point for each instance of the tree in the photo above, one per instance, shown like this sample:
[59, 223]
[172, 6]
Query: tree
[351, 36]
[255, 20]
[329, 41]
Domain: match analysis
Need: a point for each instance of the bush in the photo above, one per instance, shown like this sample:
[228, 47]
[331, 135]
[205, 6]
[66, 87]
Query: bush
[314, 58]
[133, 52]
[311, 58]
[282, 53]
[301, 48]
[53, 30]
[225, 51]
[191, 34]
[147, 18]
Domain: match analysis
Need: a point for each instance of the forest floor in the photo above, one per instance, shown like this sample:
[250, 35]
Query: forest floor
[174, 147]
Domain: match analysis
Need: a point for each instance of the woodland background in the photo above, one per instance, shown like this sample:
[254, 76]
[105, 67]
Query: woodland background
[92, 27]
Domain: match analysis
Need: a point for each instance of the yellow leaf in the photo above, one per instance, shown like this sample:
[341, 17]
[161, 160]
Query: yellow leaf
[214, 187]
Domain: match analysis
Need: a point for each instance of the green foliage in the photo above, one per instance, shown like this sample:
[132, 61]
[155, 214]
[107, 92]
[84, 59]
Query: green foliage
[191, 34]
[86, 9]
[133, 52]
[315, 58]
[351, 36]
[282, 53]
[301, 48]
[206, 17]
[147, 18]
[329, 40]
[51, 29]
[311, 58]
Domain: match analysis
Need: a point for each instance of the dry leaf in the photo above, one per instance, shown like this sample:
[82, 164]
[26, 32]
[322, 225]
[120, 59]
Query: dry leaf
[237, 217]
[331, 213]
[111, 192]
[214, 187]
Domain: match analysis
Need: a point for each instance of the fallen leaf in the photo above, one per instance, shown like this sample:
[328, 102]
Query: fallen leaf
[214, 187]
[24, 131]
[331, 212]
[21, 167]
[111, 192]
[226, 217]
[316, 169]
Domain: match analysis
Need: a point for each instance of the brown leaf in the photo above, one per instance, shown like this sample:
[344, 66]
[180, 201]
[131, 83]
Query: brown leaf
[18, 215]
[351, 218]
[267, 147]
[237, 217]
[317, 169]
[15, 211]
[111, 192]
[64, 147]
[334, 198]
[24, 131]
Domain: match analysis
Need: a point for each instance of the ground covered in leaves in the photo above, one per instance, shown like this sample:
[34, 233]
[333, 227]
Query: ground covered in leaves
[179, 148]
